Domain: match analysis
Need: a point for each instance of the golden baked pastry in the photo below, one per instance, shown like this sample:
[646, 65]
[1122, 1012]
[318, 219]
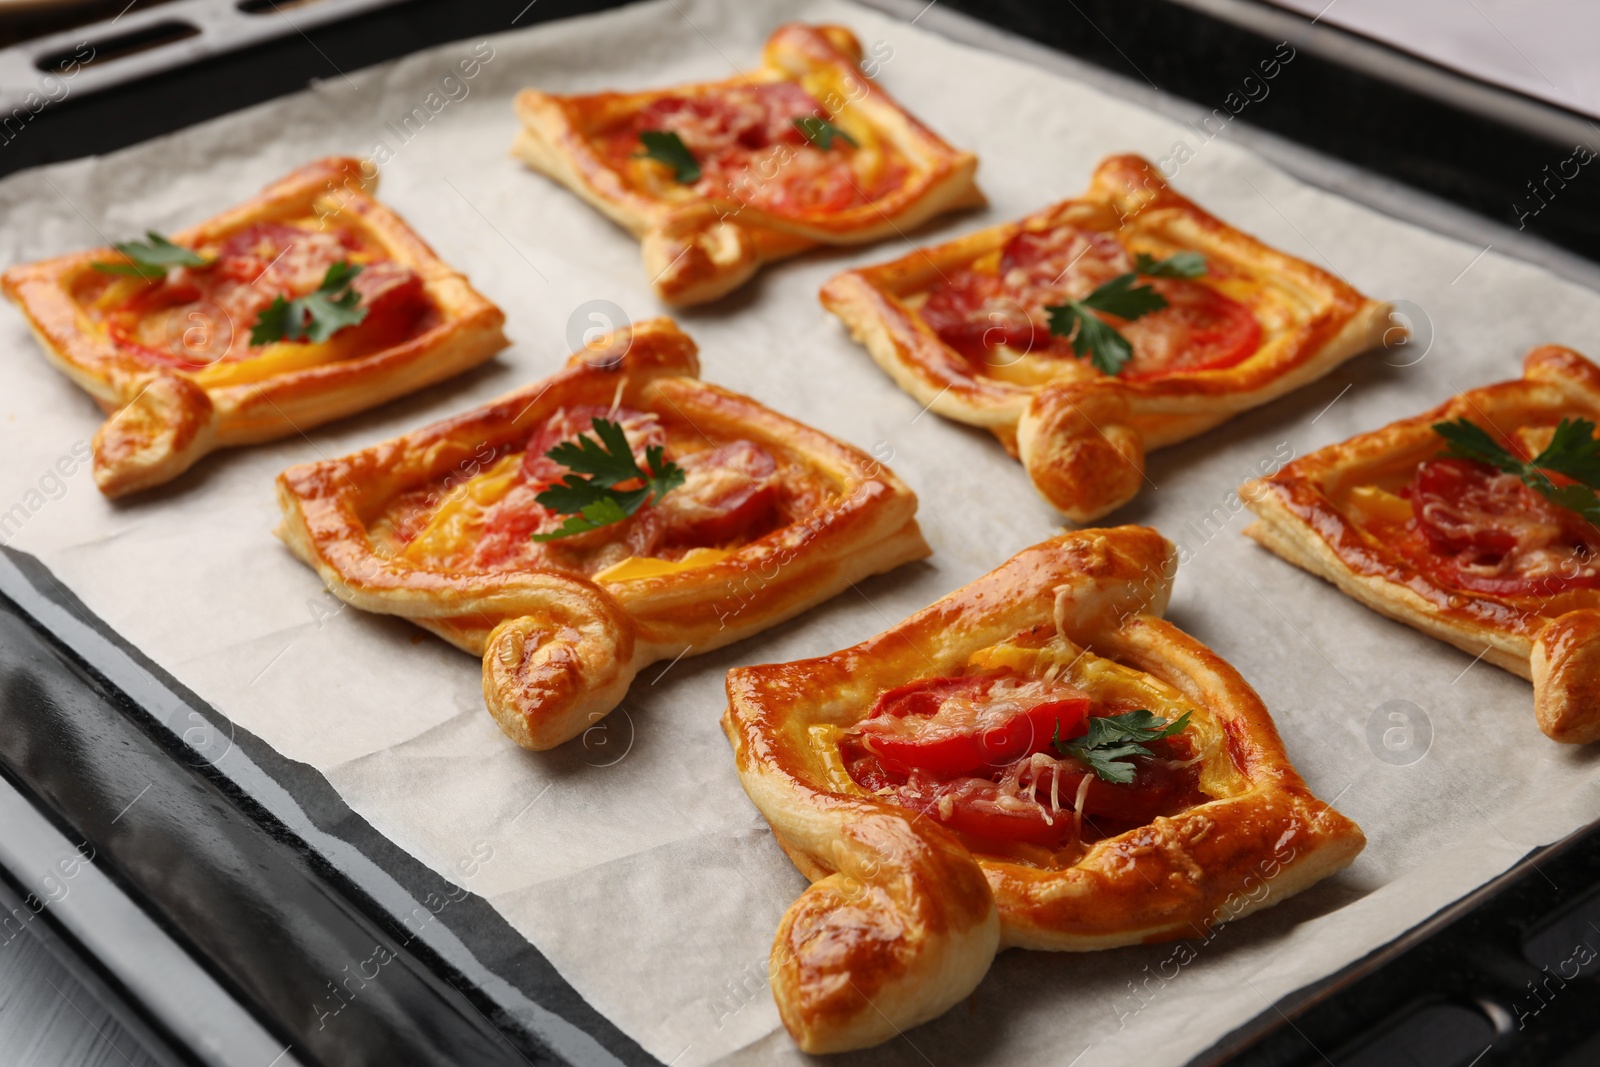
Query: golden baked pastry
[771, 517]
[804, 150]
[170, 356]
[966, 328]
[1457, 547]
[936, 785]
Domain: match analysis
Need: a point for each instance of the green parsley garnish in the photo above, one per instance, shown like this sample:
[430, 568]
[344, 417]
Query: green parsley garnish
[1114, 740]
[1107, 349]
[664, 146]
[595, 501]
[1177, 265]
[823, 133]
[1572, 451]
[315, 317]
[151, 257]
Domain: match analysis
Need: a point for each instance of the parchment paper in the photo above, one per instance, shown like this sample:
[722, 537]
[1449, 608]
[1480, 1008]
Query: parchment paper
[632, 858]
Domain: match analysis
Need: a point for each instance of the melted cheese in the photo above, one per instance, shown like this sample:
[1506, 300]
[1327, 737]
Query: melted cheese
[458, 520]
[1105, 680]
[1379, 505]
[635, 567]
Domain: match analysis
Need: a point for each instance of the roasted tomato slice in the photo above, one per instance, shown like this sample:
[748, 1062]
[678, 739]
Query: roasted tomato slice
[1462, 505]
[728, 494]
[952, 726]
[1200, 329]
[1484, 530]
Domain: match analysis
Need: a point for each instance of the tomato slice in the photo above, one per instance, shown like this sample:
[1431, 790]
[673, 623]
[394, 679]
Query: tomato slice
[729, 493]
[1481, 529]
[951, 726]
[1200, 329]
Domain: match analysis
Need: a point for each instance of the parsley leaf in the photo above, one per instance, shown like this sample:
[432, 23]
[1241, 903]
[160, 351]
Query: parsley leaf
[607, 460]
[151, 257]
[664, 146]
[1177, 265]
[1091, 336]
[823, 133]
[1573, 451]
[315, 317]
[1114, 740]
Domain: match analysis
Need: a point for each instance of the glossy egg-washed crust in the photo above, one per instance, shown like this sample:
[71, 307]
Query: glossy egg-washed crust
[559, 650]
[698, 249]
[1084, 442]
[161, 420]
[1553, 641]
[902, 919]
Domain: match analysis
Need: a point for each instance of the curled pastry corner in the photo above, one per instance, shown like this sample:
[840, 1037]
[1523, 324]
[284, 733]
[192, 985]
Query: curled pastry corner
[168, 425]
[1565, 666]
[551, 673]
[904, 928]
[1079, 453]
[897, 927]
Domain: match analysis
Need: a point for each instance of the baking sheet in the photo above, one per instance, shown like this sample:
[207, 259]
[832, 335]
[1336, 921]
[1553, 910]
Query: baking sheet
[631, 857]
[1532, 46]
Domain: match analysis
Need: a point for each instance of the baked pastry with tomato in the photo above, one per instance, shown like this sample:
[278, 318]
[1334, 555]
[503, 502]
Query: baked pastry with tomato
[718, 178]
[1474, 522]
[307, 303]
[578, 529]
[1037, 760]
[1090, 332]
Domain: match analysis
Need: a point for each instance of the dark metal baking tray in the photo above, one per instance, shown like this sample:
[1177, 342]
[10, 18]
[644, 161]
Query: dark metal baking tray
[254, 866]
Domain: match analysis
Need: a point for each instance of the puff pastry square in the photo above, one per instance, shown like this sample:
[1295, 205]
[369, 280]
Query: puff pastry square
[918, 881]
[1457, 549]
[435, 526]
[764, 190]
[962, 327]
[171, 362]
